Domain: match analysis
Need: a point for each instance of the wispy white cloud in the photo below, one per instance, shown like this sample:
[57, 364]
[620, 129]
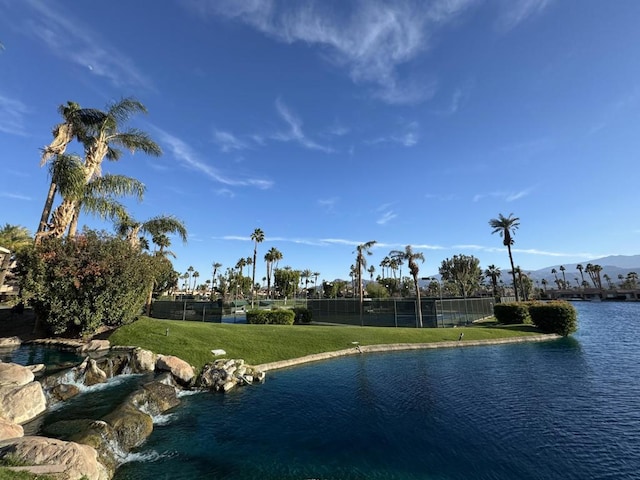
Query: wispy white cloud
[15, 196]
[527, 251]
[615, 108]
[12, 113]
[328, 204]
[386, 217]
[407, 137]
[69, 39]
[295, 133]
[370, 39]
[228, 142]
[190, 159]
[514, 12]
[506, 196]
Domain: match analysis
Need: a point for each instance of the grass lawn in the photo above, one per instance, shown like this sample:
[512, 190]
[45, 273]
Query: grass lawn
[257, 344]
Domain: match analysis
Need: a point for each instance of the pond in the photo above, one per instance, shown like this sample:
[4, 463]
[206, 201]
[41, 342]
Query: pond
[566, 409]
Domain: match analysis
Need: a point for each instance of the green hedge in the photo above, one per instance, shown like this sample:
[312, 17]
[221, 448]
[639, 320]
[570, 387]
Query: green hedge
[554, 317]
[302, 315]
[513, 313]
[271, 317]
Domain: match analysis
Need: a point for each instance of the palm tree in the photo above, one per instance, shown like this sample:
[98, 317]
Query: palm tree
[189, 274]
[492, 272]
[580, 267]
[371, 271]
[361, 263]
[564, 279]
[12, 239]
[555, 274]
[411, 257]
[101, 140]
[131, 229]
[271, 258]
[385, 263]
[258, 237]
[195, 276]
[506, 227]
[215, 266]
[96, 197]
[315, 282]
[544, 284]
[306, 275]
[76, 122]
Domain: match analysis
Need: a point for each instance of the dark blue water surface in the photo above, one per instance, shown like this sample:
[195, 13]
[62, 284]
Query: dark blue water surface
[565, 409]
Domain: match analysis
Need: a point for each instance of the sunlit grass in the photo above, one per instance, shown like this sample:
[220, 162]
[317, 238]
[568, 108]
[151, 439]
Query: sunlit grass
[257, 344]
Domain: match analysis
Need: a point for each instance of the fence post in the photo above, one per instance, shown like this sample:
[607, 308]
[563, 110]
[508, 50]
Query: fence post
[204, 309]
[184, 309]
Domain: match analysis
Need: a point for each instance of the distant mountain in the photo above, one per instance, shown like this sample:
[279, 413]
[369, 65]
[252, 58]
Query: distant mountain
[613, 266]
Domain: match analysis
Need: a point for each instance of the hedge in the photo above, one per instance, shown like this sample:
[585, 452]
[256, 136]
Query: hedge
[554, 317]
[271, 317]
[513, 313]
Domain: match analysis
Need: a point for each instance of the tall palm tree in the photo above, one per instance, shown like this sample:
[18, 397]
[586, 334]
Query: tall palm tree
[131, 229]
[76, 122]
[103, 139]
[12, 239]
[361, 262]
[315, 282]
[555, 274]
[258, 237]
[411, 257]
[195, 276]
[564, 279]
[190, 271]
[385, 264]
[492, 272]
[96, 197]
[580, 267]
[272, 257]
[506, 227]
[371, 271]
[305, 275]
[215, 266]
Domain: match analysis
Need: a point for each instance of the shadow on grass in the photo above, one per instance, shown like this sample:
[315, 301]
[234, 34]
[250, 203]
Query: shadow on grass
[519, 328]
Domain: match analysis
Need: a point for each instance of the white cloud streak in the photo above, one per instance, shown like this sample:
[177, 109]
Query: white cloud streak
[69, 39]
[514, 12]
[12, 113]
[295, 132]
[506, 196]
[371, 39]
[190, 159]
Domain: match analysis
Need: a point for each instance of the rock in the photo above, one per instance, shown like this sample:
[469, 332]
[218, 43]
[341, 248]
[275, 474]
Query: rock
[211, 377]
[178, 368]
[9, 429]
[76, 461]
[10, 342]
[143, 360]
[37, 368]
[101, 436]
[20, 404]
[228, 385]
[12, 374]
[131, 426]
[95, 346]
[63, 392]
[93, 374]
[156, 398]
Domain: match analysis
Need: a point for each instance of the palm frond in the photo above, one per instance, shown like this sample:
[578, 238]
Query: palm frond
[134, 139]
[116, 185]
[124, 108]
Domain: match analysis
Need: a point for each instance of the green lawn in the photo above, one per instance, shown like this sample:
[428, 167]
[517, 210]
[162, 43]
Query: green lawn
[257, 344]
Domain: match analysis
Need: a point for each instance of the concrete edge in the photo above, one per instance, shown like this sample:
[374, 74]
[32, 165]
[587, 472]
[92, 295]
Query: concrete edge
[265, 367]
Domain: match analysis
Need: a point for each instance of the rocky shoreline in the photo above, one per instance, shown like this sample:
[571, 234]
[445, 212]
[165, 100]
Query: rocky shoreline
[93, 448]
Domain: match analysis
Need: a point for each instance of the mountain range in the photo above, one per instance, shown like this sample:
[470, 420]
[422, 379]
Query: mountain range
[612, 265]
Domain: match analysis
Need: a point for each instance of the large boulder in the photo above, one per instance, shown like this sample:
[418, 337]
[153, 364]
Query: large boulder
[131, 426]
[9, 429]
[94, 374]
[10, 342]
[12, 374]
[180, 369]
[75, 461]
[20, 404]
[143, 360]
[95, 346]
[155, 398]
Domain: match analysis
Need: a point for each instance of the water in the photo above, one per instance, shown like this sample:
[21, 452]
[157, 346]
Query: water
[31, 354]
[566, 409]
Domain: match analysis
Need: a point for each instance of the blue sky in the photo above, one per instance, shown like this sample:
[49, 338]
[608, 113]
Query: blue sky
[332, 123]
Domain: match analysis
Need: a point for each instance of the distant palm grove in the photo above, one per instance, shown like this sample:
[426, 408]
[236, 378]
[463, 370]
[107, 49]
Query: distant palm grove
[77, 281]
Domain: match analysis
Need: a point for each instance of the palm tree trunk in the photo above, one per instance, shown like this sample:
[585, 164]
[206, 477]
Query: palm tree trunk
[46, 211]
[513, 271]
[419, 304]
[73, 227]
[4, 268]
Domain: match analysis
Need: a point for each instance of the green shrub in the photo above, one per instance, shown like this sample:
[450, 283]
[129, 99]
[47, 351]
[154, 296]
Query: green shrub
[271, 317]
[282, 317]
[513, 313]
[302, 315]
[554, 317]
[77, 285]
[257, 317]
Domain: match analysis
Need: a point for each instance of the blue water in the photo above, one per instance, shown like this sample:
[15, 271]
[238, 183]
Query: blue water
[565, 409]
